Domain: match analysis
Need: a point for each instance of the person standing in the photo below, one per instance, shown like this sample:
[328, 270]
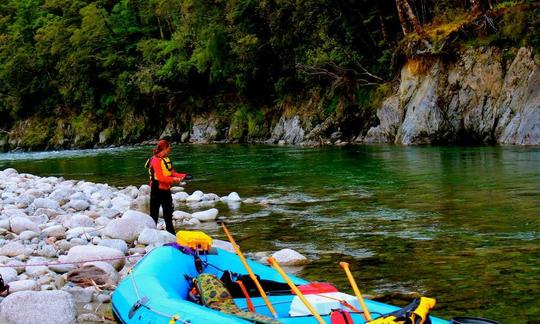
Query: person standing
[162, 177]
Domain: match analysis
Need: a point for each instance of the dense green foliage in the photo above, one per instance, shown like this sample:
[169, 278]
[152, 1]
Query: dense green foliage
[160, 59]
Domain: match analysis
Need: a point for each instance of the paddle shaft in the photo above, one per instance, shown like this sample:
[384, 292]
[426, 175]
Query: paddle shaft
[345, 267]
[250, 272]
[297, 291]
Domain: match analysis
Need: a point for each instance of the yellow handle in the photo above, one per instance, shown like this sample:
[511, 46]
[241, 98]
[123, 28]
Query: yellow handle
[250, 272]
[298, 293]
[345, 267]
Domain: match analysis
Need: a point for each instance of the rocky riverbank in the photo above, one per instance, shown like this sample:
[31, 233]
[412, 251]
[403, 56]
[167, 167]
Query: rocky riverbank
[65, 244]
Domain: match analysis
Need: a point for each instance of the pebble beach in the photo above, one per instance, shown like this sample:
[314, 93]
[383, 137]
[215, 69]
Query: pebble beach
[65, 244]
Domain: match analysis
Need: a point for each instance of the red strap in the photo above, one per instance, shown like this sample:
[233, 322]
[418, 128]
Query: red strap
[248, 299]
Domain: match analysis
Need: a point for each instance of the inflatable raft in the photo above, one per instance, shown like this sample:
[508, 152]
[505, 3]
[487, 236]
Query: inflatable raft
[178, 284]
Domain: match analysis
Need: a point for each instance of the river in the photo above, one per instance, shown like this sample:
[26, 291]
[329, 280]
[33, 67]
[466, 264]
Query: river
[461, 224]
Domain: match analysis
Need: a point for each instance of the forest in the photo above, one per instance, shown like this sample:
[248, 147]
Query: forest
[96, 62]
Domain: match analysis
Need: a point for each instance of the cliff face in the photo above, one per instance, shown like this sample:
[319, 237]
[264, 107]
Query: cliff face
[473, 99]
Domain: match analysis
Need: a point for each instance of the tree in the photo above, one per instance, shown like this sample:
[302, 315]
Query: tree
[407, 16]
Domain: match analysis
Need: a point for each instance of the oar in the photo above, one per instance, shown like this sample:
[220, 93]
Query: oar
[250, 272]
[297, 291]
[345, 267]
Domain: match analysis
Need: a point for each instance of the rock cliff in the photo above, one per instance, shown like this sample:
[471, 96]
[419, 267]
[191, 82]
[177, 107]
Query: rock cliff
[477, 98]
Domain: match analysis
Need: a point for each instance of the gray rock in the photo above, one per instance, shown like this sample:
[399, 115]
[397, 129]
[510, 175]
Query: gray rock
[288, 130]
[47, 307]
[8, 274]
[79, 204]
[22, 285]
[89, 253]
[57, 231]
[79, 294]
[289, 257]
[20, 224]
[46, 203]
[115, 244]
[207, 215]
[13, 249]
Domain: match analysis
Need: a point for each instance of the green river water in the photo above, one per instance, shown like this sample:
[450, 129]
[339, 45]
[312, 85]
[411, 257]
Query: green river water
[461, 224]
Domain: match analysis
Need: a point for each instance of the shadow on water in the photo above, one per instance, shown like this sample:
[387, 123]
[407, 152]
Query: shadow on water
[457, 223]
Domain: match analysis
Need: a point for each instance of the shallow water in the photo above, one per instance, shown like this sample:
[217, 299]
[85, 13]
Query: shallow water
[461, 224]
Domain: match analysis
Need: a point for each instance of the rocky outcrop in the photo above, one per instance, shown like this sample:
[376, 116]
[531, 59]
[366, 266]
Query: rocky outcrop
[471, 99]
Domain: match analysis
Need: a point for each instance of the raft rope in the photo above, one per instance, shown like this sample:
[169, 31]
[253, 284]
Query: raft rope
[46, 264]
[173, 318]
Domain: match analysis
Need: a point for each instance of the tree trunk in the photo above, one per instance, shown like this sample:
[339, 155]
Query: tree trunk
[402, 20]
[406, 16]
[411, 16]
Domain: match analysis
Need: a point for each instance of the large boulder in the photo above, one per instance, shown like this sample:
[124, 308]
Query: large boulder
[150, 236]
[39, 307]
[90, 253]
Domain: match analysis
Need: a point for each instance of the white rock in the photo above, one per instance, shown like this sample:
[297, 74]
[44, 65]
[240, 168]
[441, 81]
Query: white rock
[102, 221]
[14, 212]
[211, 197]
[46, 307]
[139, 217]
[224, 245]
[36, 271]
[191, 222]
[5, 224]
[48, 251]
[144, 190]
[10, 173]
[79, 204]
[105, 203]
[8, 274]
[20, 224]
[57, 231]
[110, 213]
[207, 215]
[85, 232]
[90, 253]
[21, 285]
[289, 257]
[18, 265]
[27, 235]
[196, 196]
[61, 193]
[79, 294]
[180, 196]
[46, 203]
[150, 236]
[13, 249]
[121, 203]
[78, 220]
[115, 244]
[233, 196]
[179, 215]
[124, 229]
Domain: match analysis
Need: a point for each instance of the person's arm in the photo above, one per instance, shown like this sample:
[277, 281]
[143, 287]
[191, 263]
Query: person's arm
[158, 172]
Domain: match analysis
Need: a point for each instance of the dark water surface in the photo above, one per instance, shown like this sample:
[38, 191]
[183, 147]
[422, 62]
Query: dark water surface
[461, 224]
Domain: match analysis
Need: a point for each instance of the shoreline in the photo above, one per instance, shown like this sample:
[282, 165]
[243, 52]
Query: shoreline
[76, 240]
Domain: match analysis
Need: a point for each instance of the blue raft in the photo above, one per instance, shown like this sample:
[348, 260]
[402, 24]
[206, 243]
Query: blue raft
[157, 290]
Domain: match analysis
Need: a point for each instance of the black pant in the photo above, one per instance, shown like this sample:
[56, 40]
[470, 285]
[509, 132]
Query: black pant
[162, 198]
